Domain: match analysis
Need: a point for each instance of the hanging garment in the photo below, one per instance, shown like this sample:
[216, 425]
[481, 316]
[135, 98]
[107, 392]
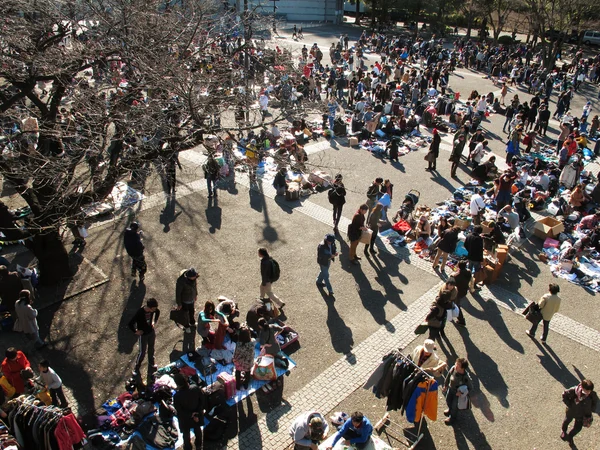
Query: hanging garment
[410, 385]
[426, 401]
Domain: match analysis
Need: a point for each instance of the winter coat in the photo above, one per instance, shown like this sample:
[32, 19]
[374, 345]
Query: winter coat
[133, 243]
[26, 317]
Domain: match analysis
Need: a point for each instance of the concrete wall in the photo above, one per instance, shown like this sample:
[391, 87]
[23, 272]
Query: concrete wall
[299, 10]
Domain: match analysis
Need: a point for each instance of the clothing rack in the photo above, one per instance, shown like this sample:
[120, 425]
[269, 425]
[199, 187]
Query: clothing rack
[385, 422]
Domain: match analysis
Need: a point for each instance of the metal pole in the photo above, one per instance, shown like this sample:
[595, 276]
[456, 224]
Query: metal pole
[274, 19]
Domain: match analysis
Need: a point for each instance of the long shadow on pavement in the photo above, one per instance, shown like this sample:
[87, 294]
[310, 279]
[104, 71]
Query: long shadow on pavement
[486, 369]
[341, 334]
[469, 431]
[554, 365]
[135, 301]
[490, 312]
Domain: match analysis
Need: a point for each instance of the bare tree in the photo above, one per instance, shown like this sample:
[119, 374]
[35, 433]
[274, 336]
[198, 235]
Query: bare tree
[90, 90]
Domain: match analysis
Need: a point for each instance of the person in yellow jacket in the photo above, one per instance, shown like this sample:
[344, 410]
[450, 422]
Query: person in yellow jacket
[549, 305]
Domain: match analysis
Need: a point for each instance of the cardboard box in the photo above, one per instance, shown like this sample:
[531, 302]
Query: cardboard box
[486, 227]
[353, 142]
[501, 254]
[462, 223]
[548, 227]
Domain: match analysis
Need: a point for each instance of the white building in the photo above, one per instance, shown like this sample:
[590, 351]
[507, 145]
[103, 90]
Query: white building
[298, 10]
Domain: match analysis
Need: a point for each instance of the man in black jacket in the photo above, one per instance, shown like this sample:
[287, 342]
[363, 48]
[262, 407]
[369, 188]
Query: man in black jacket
[474, 247]
[337, 197]
[266, 276]
[186, 293]
[142, 324]
[132, 241]
[189, 403]
[581, 402]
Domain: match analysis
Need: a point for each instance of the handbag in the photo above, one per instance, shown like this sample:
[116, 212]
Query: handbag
[429, 157]
[264, 368]
[533, 314]
[180, 317]
[365, 236]
[421, 328]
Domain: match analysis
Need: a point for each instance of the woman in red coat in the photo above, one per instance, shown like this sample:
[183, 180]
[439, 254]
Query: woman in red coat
[13, 364]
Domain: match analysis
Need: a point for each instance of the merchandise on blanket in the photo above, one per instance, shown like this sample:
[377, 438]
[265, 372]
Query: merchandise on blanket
[158, 434]
[214, 394]
[264, 368]
[287, 337]
[320, 178]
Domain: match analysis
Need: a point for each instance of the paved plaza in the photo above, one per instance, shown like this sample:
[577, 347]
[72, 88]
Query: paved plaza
[519, 382]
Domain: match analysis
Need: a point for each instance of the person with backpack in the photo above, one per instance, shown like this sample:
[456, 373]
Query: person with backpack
[132, 240]
[211, 173]
[269, 273]
[326, 252]
[337, 197]
[142, 324]
[373, 194]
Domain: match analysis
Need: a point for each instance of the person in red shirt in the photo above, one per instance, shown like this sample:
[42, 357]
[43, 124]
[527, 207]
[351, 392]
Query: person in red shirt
[571, 144]
[13, 364]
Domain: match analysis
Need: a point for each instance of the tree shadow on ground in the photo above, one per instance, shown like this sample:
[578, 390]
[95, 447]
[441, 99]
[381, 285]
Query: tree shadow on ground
[125, 337]
[486, 369]
[490, 312]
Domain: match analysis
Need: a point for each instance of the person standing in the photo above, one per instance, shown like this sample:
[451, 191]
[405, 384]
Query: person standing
[477, 206]
[374, 222]
[427, 359]
[211, 173]
[326, 252]
[446, 246]
[355, 229]
[186, 294]
[142, 324]
[549, 305]
[27, 319]
[462, 279]
[308, 430]
[373, 194]
[337, 197]
[474, 247]
[581, 401]
[266, 275]
[434, 150]
[10, 288]
[53, 383]
[171, 164]
[243, 358]
[190, 403]
[135, 248]
[457, 149]
[454, 387]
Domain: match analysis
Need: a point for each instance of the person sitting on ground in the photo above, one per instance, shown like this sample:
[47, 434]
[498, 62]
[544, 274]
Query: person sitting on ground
[243, 357]
[308, 430]
[209, 315]
[356, 431]
[268, 341]
[423, 230]
[425, 357]
[578, 199]
[589, 222]
[485, 171]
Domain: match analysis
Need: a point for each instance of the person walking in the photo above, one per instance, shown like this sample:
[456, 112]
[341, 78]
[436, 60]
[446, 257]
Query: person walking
[326, 253]
[27, 319]
[457, 387]
[355, 229]
[581, 401]
[373, 194]
[549, 305]
[267, 277]
[457, 149]
[211, 170]
[143, 324]
[186, 294]
[337, 197]
[436, 319]
[190, 403]
[308, 430]
[434, 151]
[135, 248]
[53, 384]
[462, 279]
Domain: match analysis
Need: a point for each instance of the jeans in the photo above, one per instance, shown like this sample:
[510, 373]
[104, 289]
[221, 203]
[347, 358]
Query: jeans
[58, 397]
[266, 291]
[185, 430]
[576, 428]
[452, 402]
[351, 434]
[324, 277]
[211, 184]
[331, 122]
[546, 325]
[474, 266]
[145, 343]
[337, 214]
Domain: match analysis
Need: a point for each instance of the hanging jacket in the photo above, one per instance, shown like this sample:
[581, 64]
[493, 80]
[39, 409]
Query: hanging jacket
[425, 402]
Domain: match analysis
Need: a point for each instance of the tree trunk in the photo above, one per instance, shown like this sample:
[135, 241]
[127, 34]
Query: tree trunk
[357, 11]
[53, 259]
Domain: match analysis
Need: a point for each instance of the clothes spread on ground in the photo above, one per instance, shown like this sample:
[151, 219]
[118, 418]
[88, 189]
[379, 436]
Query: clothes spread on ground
[406, 387]
[158, 434]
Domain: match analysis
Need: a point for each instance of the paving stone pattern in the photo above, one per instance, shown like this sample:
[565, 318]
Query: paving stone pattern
[338, 381]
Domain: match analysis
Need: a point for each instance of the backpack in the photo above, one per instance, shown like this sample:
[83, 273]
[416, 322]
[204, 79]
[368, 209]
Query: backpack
[331, 196]
[275, 271]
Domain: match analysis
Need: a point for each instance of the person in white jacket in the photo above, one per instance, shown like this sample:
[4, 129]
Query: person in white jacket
[308, 430]
[27, 318]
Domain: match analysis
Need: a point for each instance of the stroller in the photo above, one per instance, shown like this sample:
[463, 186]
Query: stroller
[408, 206]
